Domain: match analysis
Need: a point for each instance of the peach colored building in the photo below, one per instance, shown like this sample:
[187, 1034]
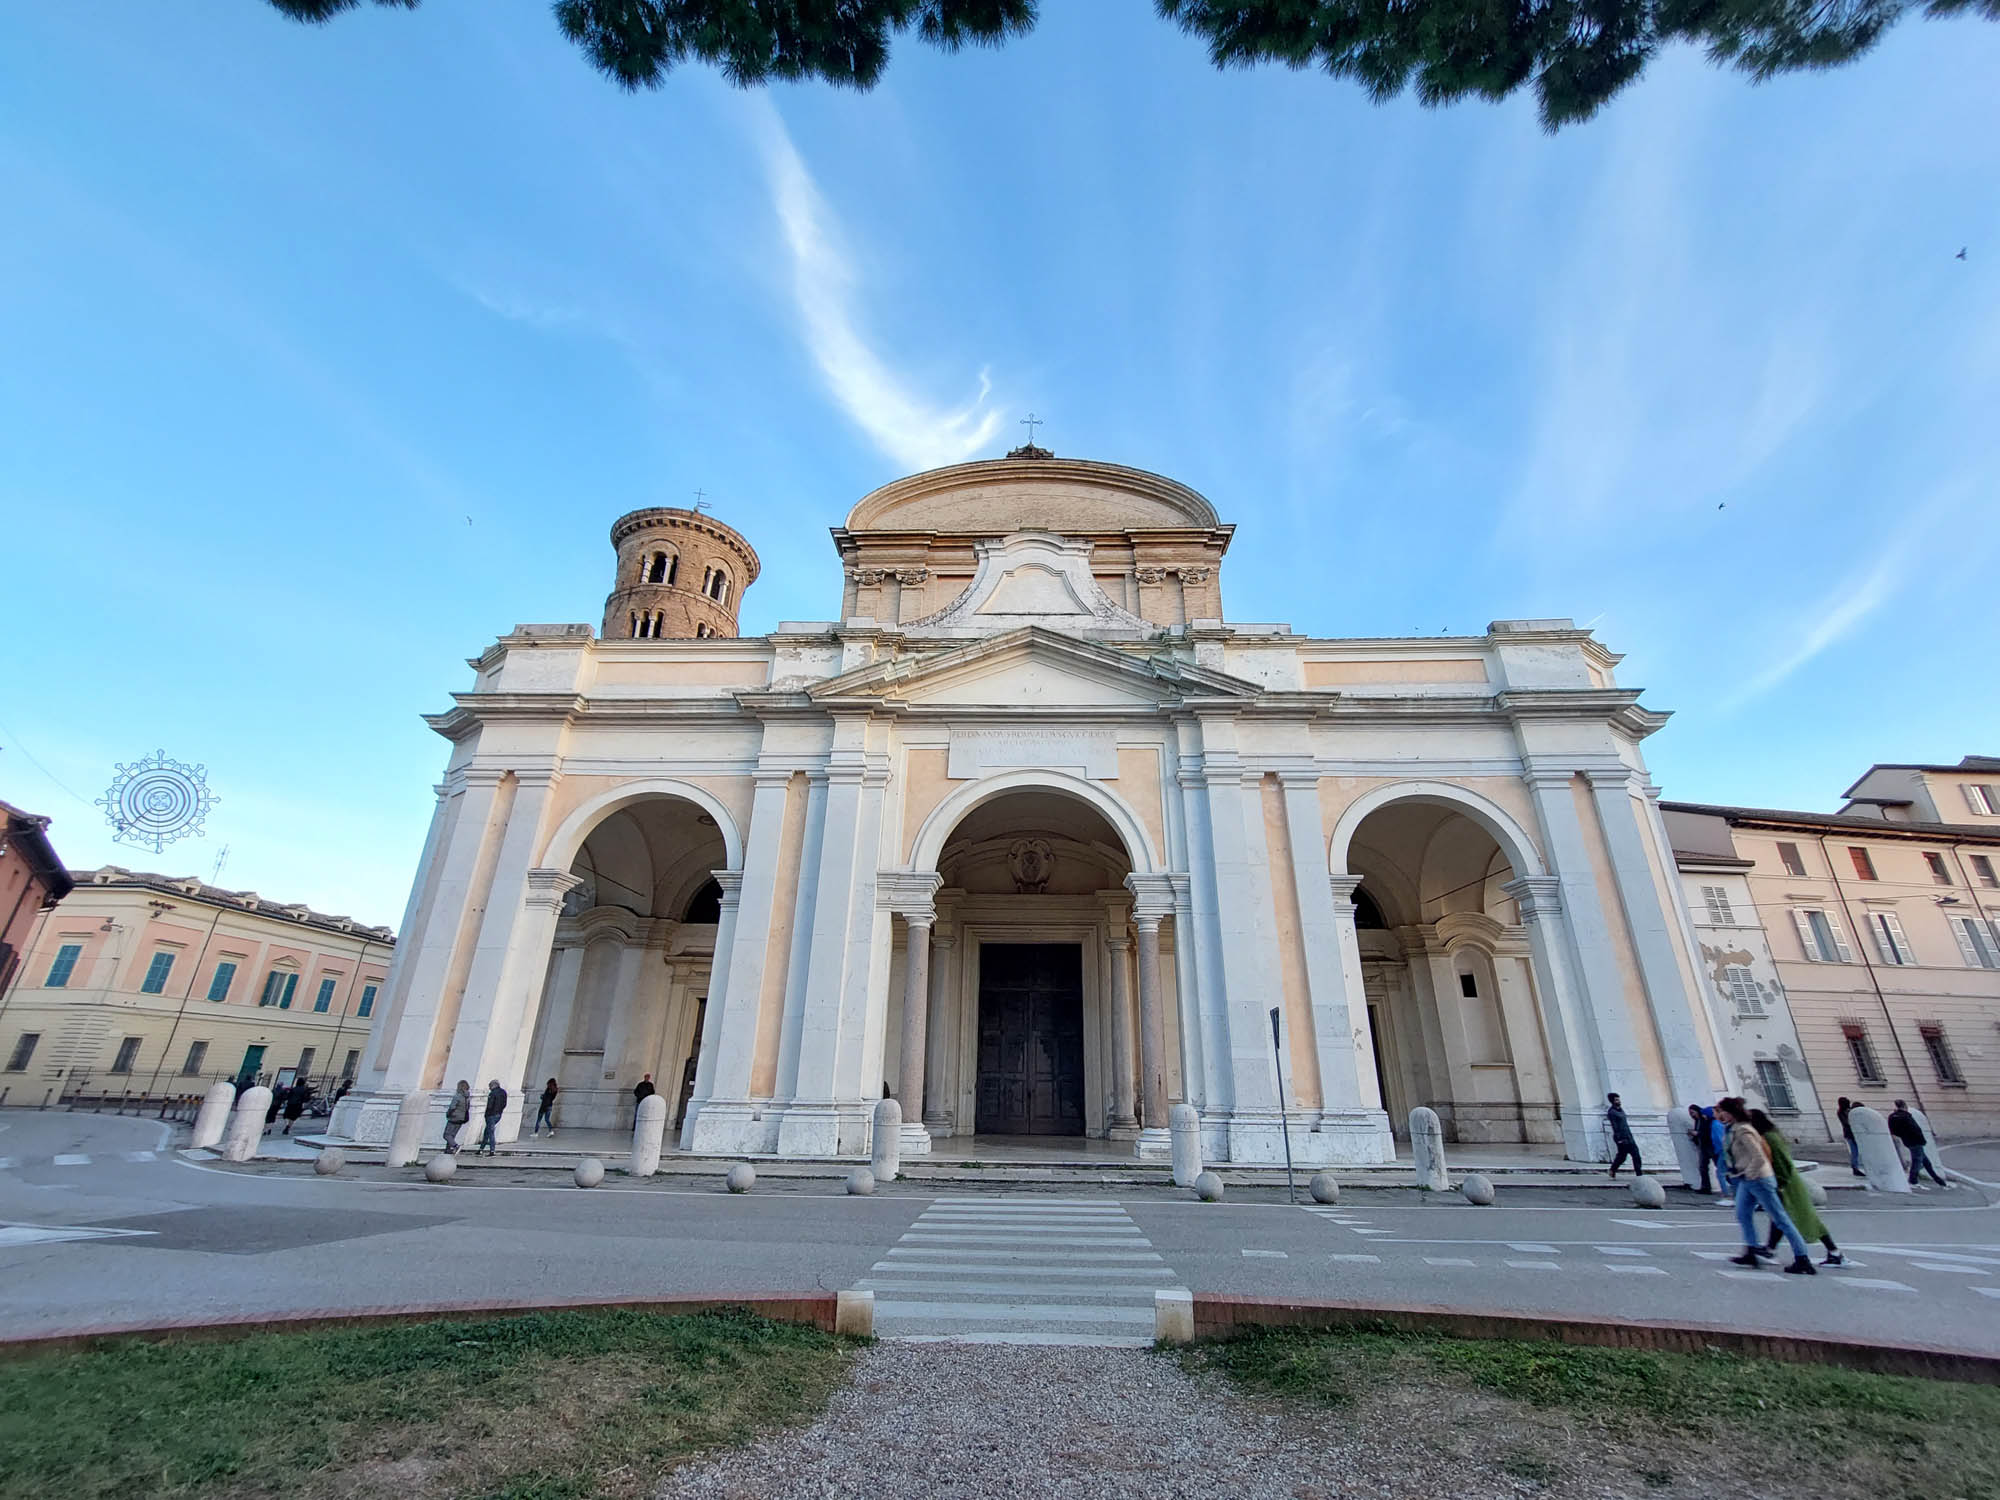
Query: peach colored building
[161, 985]
[1036, 839]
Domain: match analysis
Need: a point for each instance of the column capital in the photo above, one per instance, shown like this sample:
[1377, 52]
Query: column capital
[1538, 896]
[1616, 778]
[731, 882]
[1152, 899]
[547, 888]
[909, 894]
[1118, 942]
[1344, 887]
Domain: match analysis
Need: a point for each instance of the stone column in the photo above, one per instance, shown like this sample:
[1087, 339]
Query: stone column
[558, 1004]
[1571, 1040]
[1118, 959]
[1368, 1087]
[916, 1140]
[1153, 1138]
[940, 1035]
[535, 932]
[736, 984]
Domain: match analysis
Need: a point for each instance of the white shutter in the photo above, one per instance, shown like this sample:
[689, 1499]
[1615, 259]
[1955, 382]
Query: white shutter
[1892, 928]
[1806, 939]
[1961, 929]
[1839, 939]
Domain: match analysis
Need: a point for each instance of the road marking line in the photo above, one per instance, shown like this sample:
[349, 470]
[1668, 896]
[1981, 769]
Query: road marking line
[1376, 1260]
[1637, 1270]
[1445, 1260]
[71, 1160]
[1876, 1284]
[1532, 1249]
[1988, 1291]
[140, 1155]
[1002, 1289]
[1372, 1231]
[1027, 1255]
[917, 1238]
[1026, 1312]
[1268, 1254]
[1618, 1250]
[957, 1268]
[1941, 1265]
[1538, 1265]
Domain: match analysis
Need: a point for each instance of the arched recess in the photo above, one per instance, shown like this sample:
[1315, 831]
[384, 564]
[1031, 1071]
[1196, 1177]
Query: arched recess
[561, 850]
[946, 816]
[1512, 838]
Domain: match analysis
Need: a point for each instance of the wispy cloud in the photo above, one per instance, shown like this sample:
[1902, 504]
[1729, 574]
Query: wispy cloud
[1830, 619]
[901, 422]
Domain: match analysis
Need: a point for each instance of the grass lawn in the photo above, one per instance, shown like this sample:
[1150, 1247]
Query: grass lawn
[1555, 1416]
[528, 1408]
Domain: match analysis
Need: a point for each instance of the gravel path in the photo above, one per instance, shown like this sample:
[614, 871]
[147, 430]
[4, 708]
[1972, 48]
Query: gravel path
[923, 1420]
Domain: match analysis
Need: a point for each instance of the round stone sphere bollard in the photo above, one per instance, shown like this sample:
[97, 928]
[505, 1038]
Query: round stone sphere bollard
[860, 1182]
[441, 1168]
[589, 1172]
[1815, 1190]
[1208, 1187]
[329, 1161]
[742, 1177]
[1323, 1188]
[1647, 1192]
[1478, 1190]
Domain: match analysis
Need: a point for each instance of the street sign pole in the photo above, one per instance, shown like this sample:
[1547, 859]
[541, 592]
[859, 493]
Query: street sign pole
[1284, 1124]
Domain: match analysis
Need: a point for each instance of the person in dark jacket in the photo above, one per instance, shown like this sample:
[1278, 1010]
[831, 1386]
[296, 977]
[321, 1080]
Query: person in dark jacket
[1700, 1131]
[1904, 1127]
[296, 1099]
[456, 1114]
[1621, 1137]
[643, 1090]
[496, 1106]
[278, 1098]
[1847, 1134]
[546, 1115]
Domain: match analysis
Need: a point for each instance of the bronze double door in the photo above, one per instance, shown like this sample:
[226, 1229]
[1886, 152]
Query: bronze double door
[1030, 1039]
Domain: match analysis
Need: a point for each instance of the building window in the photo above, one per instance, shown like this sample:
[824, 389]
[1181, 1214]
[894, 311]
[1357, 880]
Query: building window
[1889, 940]
[347, 1068]
[325, 996]
[1820, 937]
[156, 974]
[1794, 863]
[1863, 865]
[1984, 799]
[1866, 1068]
[197, 1055]
[24, 1048]
[1941, 1056]
[278, 988]
[306, 1062]
[1983, 868]
[1976, 942]
[1743, 993]
[60, 970]
[128, 1053]
[1720, 912]
[1777, 1090]
[662, 568]
[1938, 871]
[220, 981]
[367, 1000]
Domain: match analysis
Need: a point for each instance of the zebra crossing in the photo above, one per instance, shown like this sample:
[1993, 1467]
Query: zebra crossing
[1020, 1270]
[75, 1159]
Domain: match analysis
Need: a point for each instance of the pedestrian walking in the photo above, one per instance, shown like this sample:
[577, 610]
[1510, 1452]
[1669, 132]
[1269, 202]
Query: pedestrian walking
[1621, 1137]
[642, 1091]
[496, 1106]
[1756, 1187]
[1904, 1127]
[1847, 1134]
[1792, 1191]
[296, 1099]
[278, 1097]
[1701, 1132]
[456, 1114]
[341, 1092]
[1718, 1147]
[546, 1115]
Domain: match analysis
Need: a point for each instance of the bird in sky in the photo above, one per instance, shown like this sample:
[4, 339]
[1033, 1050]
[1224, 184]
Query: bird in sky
[1961, 253]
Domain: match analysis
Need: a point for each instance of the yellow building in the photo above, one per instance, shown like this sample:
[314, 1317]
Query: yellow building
[160, 986]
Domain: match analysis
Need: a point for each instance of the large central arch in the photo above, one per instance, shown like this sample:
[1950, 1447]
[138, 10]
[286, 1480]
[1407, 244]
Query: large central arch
[949, 813]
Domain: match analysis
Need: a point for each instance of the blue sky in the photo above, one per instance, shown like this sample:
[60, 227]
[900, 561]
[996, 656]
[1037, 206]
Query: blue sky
[328, 355]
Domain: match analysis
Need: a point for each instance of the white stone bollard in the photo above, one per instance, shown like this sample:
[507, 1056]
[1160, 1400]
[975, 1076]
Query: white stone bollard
[1885, 1169]
[1427, 1150]
[1478, 1190]
[1208, 1187]
[1815, 1189]
[1323, 1188]
[213, 1118]
[329, 1162]
[1173, 1315]
[1184, 1125]
[1648, 1193]
[1686, 1152]
[887, 1152]
[406, 1144]
[740, 1178]
[648, 1130]
[246, 1125]
[589, 1172]
[860, 1182]
[441, 1168]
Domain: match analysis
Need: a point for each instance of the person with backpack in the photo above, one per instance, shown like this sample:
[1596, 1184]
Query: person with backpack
[496, 1106]
[1910, 1135]
[456, 1114]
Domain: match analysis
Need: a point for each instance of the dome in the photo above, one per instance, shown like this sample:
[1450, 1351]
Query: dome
[1066, 496]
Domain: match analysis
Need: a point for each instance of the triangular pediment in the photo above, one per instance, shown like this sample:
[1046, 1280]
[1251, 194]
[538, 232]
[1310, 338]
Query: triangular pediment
[1033, 667]
[1035, 578]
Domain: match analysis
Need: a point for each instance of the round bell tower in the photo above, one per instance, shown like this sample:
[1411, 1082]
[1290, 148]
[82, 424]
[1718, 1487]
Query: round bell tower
[681, 576]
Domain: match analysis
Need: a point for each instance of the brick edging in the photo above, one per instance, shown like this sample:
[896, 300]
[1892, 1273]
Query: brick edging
[1220, 1316]
[815, 1308]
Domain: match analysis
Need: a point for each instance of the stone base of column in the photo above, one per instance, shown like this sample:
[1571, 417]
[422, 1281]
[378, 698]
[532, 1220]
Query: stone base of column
[727, 1127]
[365, 1119]
[1121, 1130]
[809, 1130]
[1153, 1145]
[913, 1140]
[1347, 1137]
[939, 1123]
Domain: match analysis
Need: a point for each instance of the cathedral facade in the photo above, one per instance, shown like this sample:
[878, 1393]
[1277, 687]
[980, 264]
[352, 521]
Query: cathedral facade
[1036, 840]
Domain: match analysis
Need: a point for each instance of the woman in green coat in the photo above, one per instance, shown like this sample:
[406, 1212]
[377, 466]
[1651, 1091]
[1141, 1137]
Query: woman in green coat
[1792, 1191]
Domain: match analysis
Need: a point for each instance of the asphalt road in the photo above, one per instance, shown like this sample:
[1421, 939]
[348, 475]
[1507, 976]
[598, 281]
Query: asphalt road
[103, 1222]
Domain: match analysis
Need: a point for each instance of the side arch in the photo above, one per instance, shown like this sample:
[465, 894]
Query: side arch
[1512, 838]
[564, 844]
[947, 815]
